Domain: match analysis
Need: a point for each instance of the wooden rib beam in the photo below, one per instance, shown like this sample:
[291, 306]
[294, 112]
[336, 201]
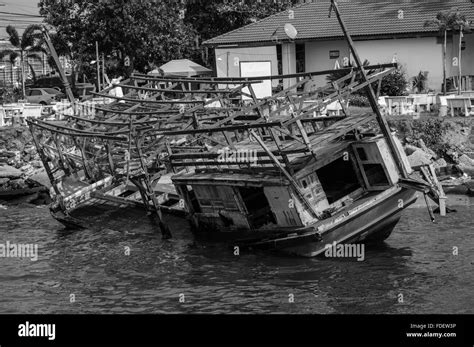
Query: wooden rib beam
[149, 101]
[167, 90]
[259, 79]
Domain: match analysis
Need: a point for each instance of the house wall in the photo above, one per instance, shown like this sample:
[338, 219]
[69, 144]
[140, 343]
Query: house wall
[317, 57]
[227, 59]
[413, 54]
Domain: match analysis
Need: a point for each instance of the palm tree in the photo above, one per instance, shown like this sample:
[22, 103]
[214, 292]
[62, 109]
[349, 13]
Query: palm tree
[26, 47]
[442, 22]
[448, 21]
[461, 24]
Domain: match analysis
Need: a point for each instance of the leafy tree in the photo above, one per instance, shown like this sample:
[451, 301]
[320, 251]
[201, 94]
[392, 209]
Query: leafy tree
[27, 47]
[148, 32]
[448, 21]
[214, 18]
[394, 84]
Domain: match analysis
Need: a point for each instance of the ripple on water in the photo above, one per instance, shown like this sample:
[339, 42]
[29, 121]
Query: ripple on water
[416, 261]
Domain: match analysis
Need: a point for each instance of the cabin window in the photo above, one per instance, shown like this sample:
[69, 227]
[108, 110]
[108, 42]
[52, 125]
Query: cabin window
[375, 175]
[258, 207]
[362, 154]
[215, 198]
[305, 185]
[338, 179]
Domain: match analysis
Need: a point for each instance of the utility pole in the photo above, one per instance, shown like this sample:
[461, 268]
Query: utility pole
[459, 59]
[103, 70]
[371, 95]
[54, 54]
[97, 60]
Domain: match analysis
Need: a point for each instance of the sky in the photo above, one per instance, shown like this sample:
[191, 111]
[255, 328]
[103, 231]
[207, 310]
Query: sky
[26, 9]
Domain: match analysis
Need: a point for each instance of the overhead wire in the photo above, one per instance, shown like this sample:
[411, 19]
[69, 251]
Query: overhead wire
[21, 14]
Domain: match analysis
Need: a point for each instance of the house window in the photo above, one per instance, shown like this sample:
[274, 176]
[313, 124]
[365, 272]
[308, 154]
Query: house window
[334, 54]
[300, 58]
[279, 59]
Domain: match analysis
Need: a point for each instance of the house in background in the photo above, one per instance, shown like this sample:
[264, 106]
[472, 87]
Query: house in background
[383, 31]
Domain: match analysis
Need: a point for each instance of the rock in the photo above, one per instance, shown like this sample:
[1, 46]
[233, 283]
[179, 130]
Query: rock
[426, 149]
[41, 177]
[468, 170]
[4, 181]
[419, 158]
[456, 190]
[42, 199]
[466, 165]
[440, 163]
[7, 154]
[7, 171]
[470, 188]
[26, 168]
[17, 144]
[466, 160]
[410, 149]
[18, 184]
[30, 150]
[37, 164]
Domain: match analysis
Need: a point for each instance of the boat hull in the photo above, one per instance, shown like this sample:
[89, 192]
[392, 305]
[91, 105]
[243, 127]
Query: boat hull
[370, 226]
[374, 223]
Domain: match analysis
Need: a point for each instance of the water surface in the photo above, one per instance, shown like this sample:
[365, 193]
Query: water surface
[417, 261]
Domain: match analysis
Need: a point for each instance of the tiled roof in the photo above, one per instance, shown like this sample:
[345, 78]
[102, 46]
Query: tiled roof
[362, 17]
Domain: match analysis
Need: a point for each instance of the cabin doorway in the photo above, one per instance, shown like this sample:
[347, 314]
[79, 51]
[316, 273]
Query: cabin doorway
[338, 179]
[258, 207]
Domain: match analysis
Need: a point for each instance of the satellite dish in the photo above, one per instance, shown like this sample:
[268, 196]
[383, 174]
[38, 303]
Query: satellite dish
[290, 31]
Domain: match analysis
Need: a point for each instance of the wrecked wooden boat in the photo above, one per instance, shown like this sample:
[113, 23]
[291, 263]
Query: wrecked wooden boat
[293, 186]
[343, 188]
[276, 172]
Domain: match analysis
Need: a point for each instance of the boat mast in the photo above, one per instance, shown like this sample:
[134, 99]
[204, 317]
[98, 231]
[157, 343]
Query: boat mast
[371, 95]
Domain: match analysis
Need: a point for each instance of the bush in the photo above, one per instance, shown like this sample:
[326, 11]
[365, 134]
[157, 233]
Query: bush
[359, 100]
[394, 84]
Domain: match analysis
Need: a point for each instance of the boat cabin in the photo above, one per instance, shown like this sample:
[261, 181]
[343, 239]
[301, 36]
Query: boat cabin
[341, 173]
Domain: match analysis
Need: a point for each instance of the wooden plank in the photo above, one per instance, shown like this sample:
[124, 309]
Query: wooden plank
[259, 79]
[216, 130]
[335, 130]
[115, 199]
[167, 90]
[186, 102]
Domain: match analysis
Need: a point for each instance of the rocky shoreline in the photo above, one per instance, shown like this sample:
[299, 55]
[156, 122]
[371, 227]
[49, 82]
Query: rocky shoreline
[23, 179]
[447, 143]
